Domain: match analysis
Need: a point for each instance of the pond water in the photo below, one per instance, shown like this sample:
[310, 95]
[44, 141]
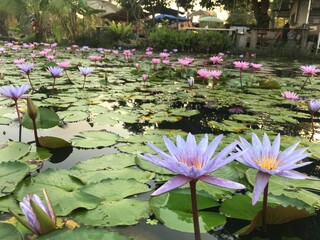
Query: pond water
[116, 101]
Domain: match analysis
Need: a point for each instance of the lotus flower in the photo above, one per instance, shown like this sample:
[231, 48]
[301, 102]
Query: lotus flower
[192, 162]
[19, 61]
[40, 219]
[290, 95]
[15, 92]
[144, 78]
[164, 55]
[85, 72]
[268, 160]
[190, 82]
[215, 73]
[95, 58]
[216, 59]
[241, 65]
[256, 66]
[55, 72]
[64, 64]
[309, 71]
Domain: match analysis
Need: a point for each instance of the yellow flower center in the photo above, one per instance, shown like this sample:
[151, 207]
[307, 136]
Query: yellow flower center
[268, 163]
[191, 161]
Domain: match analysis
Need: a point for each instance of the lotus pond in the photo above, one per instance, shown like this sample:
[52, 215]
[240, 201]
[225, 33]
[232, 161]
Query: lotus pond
[91, 133]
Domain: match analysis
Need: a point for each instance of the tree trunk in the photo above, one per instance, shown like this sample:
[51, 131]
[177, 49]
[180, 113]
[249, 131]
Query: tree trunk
[260, 10]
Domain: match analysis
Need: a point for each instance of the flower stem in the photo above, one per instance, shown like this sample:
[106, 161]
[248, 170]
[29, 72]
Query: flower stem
[17, 108]
[264, 209]
[35, 132]
[195, 210]
[312, 126]
[30, 83]
[241, 78]
[84, 81]
[305, 82]
[54, 82]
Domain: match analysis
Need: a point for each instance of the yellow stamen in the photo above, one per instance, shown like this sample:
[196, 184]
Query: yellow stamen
[268, 163]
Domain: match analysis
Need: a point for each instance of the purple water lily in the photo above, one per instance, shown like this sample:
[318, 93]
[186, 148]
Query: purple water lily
[85, 72]
[268, 160]
[55, 72]
[40, 218]
[15, 92]
[193, 162]
[26, 68]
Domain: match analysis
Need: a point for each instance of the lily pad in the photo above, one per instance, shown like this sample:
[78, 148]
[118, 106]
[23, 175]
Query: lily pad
[12, 151]
[9, 232]
[64, 191]
[112, 213]
[10, 175]
[46, 118]
[73, 116]
[94, 139]
[83, 233]
[174, 210]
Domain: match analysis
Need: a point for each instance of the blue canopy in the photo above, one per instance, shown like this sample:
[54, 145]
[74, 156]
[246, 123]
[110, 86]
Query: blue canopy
[170, 18]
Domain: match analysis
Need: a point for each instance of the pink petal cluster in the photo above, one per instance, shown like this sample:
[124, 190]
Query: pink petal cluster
[310, 70]
[241, 64]
[164, 55]
[19, 61]
[144, 77]
[127, 53]
[185, 61]
[156, 61]
[290, 95]
[216, 59]
[256, 65]
[203, 73]
[95, 58]
[215, 73]
[64, 64]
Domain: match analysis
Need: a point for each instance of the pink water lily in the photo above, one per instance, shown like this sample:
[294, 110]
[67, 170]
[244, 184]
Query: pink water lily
[309, 71]
[164, 55]
[215, 73]
[256, 66]
[64, 64]
[290, 95]
[216, 59]
[241, 65]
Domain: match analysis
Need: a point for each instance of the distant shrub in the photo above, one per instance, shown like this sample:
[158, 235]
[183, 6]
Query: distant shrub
[200, 41]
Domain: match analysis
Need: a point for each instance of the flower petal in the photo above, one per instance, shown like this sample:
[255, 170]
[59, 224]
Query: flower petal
[292, 174]
[221, 182]
[259, 186]
[175, 182]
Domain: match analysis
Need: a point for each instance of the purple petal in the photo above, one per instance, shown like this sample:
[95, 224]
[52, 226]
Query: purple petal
[259, 186]
[171, 147]
[221, 182]
[212, 147]
[274, 151]
[292, 174]
[175, 182]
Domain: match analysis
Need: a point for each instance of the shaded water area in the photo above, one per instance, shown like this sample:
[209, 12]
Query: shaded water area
[115, 100]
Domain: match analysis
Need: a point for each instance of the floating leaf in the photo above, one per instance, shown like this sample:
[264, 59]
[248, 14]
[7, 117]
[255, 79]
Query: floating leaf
[10, 175]
[46, 118]
[73, 116]
[9, 232]
[83, 233]
[53, 142]
[94, 139]
[12, 151]
[112, 213]
[65, 192]
[174, 210]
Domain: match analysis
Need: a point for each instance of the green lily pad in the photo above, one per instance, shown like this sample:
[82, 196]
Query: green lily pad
[5, 121]
[117, 189]
[9, 232]
[12, 151]
[53, 142]
[174, 210]
[292, 188]
[94, 139]
[46, 118]
[64, 191]
[112, 213]
[10, 175]
[73, 116]
[83, 233]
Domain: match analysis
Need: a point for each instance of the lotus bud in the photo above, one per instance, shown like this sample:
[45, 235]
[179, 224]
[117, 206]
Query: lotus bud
[32, 109]
[40, 218]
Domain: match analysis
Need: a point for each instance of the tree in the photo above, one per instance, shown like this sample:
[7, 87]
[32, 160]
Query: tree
[259, 7]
